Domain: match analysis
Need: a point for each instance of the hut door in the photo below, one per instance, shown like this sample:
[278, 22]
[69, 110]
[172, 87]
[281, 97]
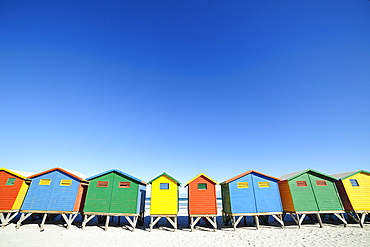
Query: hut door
[325, 194]
[303, 194]
[266, 194]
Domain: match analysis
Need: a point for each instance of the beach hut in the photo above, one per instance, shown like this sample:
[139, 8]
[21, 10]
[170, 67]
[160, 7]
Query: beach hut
[115, 193]
[13, 189]
[310, 192]
[164, 201]
[251, 194]
[202, 201]
[354, 190]
[55, 191]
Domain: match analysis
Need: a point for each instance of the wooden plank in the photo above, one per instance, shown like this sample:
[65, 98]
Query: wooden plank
[43, 222]
[257, 222]
[23, 217]
[279, 219]
[86, 220]
[319, 220]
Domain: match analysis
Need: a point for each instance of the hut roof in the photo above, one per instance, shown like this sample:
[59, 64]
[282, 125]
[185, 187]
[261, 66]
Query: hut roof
[199, 175]
[293, 175]
[74, 174]
[119, 172]
[246, 173]
[20, 174]
[345, 175]
[166, 175]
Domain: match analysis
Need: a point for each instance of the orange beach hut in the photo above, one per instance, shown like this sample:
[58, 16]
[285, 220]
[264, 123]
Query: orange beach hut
[202, 201]
[13, 189]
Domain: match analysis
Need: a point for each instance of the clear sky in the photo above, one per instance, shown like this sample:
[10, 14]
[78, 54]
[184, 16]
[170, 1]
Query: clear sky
[185, 87]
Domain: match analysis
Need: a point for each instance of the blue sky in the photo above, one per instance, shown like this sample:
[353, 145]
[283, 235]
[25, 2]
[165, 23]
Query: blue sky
[185, 87]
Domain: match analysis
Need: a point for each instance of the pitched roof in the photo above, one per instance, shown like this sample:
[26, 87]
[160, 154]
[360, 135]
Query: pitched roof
[20, 174]
[246, 173]
[166, 175]
[119, 172]
[345, 175]
[293, 175]
[199, 175]
[74, 174]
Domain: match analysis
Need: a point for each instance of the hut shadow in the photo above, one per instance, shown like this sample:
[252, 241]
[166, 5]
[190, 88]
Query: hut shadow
[114, 222]
[51, 219]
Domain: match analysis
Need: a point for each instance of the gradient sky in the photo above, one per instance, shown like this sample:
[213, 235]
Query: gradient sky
[185, 87]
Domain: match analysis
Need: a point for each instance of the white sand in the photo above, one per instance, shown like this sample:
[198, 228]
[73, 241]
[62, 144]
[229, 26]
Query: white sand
[269, 235]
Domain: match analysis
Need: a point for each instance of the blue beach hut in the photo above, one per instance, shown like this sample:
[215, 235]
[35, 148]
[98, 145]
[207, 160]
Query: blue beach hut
[55, 191]
[251, 194]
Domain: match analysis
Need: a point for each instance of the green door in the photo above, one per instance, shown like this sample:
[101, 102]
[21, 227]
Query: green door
[124, 195]
[99, 194]
[302, 194]
[325, 193]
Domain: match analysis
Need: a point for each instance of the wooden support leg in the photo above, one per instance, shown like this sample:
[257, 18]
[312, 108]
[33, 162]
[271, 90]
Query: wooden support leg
[341, 218]
[193, 223]
[23, 217]
[279, 218]
[301, 220]
[213, 222]
[362, 220]
[319, 220]
[132, 222]
[295, 217]
[43, 222]
[106, 223]
[257, 222]
[2, 219]
[152, 223]
[86, 220]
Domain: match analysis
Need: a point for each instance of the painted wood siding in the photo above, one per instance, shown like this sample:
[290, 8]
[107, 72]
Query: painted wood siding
[202, 201]
[112, 199]
[327, 197]
[359, 195]
[9, 193]
[53, 197]
[303, 197]
[242, 199]
[313, 197]
[164, 201]
[225, 194]
[267, 198]
[286, 196]
[98, 198]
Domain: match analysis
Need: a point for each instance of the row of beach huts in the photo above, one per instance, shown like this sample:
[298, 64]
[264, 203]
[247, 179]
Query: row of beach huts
[58, 191]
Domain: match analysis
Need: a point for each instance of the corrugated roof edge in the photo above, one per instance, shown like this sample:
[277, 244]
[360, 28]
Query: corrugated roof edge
[165, 174]
[21, 174]
[293, 175]
[345, 175]
[246, 173]
[118, 171]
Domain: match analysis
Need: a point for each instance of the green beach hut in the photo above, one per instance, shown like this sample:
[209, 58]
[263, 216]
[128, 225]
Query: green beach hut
[115, 193]
[310, 192]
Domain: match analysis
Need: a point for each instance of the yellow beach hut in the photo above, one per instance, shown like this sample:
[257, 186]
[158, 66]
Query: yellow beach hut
[164, 200]
[354, 190]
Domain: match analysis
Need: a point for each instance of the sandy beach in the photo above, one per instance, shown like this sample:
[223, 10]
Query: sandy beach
[54, 234]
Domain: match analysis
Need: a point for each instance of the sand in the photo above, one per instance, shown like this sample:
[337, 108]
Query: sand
[333, 234]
